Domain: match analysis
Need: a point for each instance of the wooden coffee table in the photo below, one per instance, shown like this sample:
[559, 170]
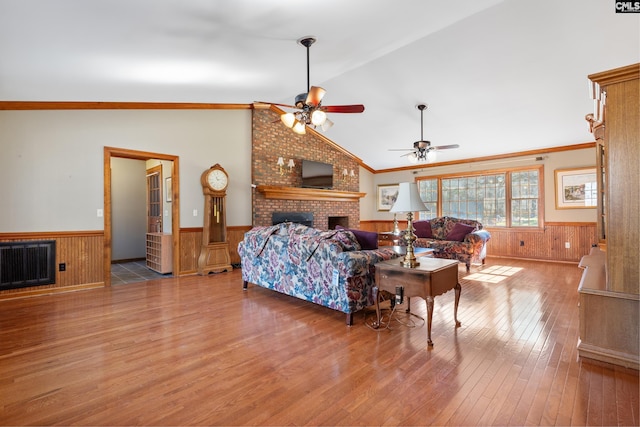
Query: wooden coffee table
[433, 277]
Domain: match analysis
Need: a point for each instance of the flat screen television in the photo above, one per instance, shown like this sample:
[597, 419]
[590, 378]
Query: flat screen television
[317, 175]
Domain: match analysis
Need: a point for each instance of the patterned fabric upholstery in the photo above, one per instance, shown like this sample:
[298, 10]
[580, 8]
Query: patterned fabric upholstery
[472, 250]
[324, 267]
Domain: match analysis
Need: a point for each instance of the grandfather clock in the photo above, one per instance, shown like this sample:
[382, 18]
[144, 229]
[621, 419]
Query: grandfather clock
[214, 252]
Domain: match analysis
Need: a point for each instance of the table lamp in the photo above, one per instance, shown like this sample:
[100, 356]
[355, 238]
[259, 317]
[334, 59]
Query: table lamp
[409, 201]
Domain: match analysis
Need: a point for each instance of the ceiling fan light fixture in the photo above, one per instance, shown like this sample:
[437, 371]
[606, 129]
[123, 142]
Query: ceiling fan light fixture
[326, 125]
[288, 119]
[431, 156]
[309, 111]
[413, 158]
[299, 128]
[315, 95]
[318, 117]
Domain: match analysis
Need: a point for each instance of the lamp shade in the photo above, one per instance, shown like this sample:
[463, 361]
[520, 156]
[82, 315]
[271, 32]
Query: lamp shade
[408, 199]
[318, 117]
[326, 125]
[288, 119]
[299, 128]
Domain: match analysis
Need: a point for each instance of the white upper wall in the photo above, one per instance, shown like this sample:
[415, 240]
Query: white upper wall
[51, 165]
[51, 162]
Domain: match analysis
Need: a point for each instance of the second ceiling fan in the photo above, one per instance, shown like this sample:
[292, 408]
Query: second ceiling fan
[308, 106]
[422, 150]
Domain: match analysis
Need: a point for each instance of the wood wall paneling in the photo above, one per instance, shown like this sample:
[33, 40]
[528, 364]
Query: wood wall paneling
[82, 254]
[191, 239]
[541, 244]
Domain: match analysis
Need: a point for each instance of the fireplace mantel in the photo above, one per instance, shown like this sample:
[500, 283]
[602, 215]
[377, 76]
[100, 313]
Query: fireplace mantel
[297, 193]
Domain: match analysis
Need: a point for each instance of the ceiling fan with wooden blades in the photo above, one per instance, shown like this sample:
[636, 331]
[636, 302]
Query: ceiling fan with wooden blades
[422, 150]
[308, 105]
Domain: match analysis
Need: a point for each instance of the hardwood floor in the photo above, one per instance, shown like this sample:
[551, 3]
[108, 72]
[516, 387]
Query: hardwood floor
[200, 351]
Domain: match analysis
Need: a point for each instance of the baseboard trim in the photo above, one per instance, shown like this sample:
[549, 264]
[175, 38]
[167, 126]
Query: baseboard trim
[601, 354]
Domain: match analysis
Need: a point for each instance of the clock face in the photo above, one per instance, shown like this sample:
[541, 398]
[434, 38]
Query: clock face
[217, 179]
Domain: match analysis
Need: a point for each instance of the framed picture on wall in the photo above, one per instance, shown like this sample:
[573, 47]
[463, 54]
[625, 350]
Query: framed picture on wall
[387, 195]
[576, 188]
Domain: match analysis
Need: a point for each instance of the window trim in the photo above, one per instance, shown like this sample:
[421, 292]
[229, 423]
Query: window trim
[508, 193]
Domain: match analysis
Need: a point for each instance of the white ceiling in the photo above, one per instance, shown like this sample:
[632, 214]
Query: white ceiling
[498, 75]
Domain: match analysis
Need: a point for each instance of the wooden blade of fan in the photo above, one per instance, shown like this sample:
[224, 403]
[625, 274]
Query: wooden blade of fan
[314, 97]
[279, 105]
[445, 147]
[356, 108]
[401, 149]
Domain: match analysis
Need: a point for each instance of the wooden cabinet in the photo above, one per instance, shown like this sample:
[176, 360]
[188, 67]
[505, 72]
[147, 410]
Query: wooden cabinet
[159, 252]
[615, 126]
[610, 286]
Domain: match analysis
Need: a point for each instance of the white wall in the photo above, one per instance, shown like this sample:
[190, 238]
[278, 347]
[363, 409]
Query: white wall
[551, 162]
[51, 162]
[51, 165]
[128, 209]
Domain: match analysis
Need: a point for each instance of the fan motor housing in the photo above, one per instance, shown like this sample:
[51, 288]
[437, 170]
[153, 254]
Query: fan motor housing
[300, 100]
[421, 145]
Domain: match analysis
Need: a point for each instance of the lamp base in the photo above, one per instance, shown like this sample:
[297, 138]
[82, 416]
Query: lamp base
[409, 260]
[409, 263]
[396, 230]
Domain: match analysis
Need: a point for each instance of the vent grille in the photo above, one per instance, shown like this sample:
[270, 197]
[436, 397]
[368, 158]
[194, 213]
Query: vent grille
[30, 263]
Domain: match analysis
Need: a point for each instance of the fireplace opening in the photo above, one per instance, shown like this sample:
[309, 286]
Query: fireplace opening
[304, 218]
[342, 221]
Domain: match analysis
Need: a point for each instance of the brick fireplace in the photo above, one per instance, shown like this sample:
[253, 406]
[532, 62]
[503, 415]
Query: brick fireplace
[271, 139]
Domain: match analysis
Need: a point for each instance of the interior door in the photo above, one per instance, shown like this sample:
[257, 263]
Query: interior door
[154, 199]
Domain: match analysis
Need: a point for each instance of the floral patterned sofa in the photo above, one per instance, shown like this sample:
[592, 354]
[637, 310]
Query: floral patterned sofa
[324, 267]
[453, 238]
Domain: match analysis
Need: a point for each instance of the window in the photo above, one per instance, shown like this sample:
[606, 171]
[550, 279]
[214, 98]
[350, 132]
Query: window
[429, 194]
[524, 199]
[496, 199]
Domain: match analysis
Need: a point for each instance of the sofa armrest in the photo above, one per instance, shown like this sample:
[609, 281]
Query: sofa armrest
[478, 236]
[359, 263]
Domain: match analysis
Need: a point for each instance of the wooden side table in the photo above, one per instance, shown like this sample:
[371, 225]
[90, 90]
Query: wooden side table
[431, 278]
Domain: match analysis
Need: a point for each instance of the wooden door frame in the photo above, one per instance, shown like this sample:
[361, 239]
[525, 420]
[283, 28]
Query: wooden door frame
[110, 152]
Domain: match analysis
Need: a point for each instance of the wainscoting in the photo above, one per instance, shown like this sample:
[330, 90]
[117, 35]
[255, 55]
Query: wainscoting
[540, 244]
[191, 239]
[82, 252]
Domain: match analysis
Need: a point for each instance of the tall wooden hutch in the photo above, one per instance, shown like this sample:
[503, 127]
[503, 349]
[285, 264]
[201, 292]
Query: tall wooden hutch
[610, 286]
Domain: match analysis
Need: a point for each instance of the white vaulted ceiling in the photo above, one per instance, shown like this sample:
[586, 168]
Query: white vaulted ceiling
[499, 76]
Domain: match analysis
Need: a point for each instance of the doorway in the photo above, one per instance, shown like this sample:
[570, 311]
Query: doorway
[173, 194]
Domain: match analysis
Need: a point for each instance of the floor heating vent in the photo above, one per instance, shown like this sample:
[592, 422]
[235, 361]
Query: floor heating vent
[30, 263]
